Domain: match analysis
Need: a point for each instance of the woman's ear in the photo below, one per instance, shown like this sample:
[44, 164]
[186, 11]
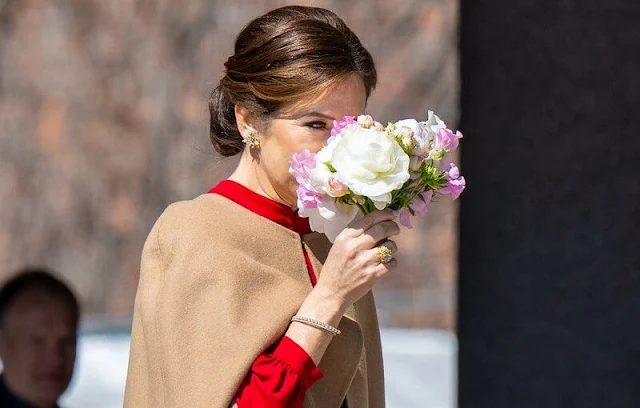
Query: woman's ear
[245, 121]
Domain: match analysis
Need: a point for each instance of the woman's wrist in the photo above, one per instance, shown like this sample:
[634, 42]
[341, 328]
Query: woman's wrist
[323, 303]
[320, 307]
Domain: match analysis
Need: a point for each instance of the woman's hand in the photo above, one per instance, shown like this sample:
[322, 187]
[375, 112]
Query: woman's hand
[349, 272]
[353, 264]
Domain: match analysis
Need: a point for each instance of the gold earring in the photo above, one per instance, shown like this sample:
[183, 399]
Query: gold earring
[252, 140]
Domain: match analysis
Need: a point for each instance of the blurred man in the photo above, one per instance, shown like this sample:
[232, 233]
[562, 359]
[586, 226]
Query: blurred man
[38, 329]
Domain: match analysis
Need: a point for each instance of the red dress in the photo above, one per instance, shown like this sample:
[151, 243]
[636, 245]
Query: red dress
[281, 375]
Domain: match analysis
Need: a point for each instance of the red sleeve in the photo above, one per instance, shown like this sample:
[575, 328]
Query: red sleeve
[278, 378]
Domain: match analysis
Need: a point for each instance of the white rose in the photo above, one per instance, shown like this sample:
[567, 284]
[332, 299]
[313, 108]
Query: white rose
[370, 163]
[319, 176]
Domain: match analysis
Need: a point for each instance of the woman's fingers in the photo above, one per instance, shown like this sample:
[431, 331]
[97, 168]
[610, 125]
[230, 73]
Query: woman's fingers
[383, 269]
[380, 266]
[378, 233]
[358, 227]
[377, 257]
[391, 245]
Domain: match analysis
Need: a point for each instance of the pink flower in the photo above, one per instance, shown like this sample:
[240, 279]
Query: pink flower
[406, 135]
[307, 198]
[455, 182]
[301, 165]
[338, 126]
[365, 121]
[446, 140]
[419, 206]
[336, 187]
[405, 218]
[451, 171]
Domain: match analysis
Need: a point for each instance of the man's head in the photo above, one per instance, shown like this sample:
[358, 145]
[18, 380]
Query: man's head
[38, 328]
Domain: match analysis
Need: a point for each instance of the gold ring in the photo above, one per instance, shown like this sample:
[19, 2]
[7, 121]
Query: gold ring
[386, 255]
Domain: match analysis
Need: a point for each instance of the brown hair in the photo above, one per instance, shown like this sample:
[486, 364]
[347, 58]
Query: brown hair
[285, 56]
[36, 279]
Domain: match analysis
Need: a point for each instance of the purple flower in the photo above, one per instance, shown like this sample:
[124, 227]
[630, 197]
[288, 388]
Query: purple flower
[419, 206]
[455, 182]
[451, 171]
[307, 198]
[405, 218]
[336, 188]
[338, 126]
[446, 140]
[301, 165]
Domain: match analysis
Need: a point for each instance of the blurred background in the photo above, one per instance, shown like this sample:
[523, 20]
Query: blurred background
[524, 293]
[103, 123]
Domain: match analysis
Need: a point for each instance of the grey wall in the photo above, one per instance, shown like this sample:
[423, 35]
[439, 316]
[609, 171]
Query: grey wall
[549, 285]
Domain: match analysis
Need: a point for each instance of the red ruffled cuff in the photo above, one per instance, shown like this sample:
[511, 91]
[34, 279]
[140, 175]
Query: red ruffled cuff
[297, 358]
[279, 378]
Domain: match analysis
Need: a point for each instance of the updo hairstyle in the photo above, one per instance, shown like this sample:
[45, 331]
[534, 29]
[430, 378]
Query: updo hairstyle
[286, 56]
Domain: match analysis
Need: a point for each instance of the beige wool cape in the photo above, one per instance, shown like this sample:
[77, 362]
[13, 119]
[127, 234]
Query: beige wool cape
[219, 285]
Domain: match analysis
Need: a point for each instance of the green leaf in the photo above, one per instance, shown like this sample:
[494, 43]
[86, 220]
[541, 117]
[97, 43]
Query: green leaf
[330, 167]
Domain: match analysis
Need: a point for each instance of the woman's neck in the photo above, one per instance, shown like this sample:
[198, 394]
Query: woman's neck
[249, 174]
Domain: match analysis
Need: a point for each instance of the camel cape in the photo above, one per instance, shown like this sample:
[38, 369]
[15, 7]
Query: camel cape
[219, 285]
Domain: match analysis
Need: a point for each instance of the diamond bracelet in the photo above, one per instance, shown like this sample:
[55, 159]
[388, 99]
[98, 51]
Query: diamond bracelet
[316, 323]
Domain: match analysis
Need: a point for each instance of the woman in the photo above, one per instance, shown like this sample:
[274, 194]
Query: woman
[238, 301]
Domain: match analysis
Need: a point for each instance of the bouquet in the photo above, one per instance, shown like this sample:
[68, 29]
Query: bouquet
[366, 166]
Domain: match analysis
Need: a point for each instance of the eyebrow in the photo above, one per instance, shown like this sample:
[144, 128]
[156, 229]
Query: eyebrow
[316, 114]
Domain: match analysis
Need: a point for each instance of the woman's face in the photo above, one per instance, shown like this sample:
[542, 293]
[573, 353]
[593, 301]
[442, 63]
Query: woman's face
[305, 127]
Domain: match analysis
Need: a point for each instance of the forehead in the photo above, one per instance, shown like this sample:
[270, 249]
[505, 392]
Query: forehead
[347, 96]
[37, 309]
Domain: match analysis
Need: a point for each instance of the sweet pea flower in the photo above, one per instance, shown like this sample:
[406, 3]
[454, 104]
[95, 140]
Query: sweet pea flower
[446, 140]
[339, 125]
[307, 198]
[301, 164]
[454, 188]
[451, 171]
[419, 206]
[455, 182]
[405, 218]
[433, 124]
[330, 217]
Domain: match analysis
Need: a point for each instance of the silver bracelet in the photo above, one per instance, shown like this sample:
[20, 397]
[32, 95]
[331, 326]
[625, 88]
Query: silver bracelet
[316, 323]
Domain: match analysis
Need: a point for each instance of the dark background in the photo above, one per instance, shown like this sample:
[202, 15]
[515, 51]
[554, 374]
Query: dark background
[549, 281]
